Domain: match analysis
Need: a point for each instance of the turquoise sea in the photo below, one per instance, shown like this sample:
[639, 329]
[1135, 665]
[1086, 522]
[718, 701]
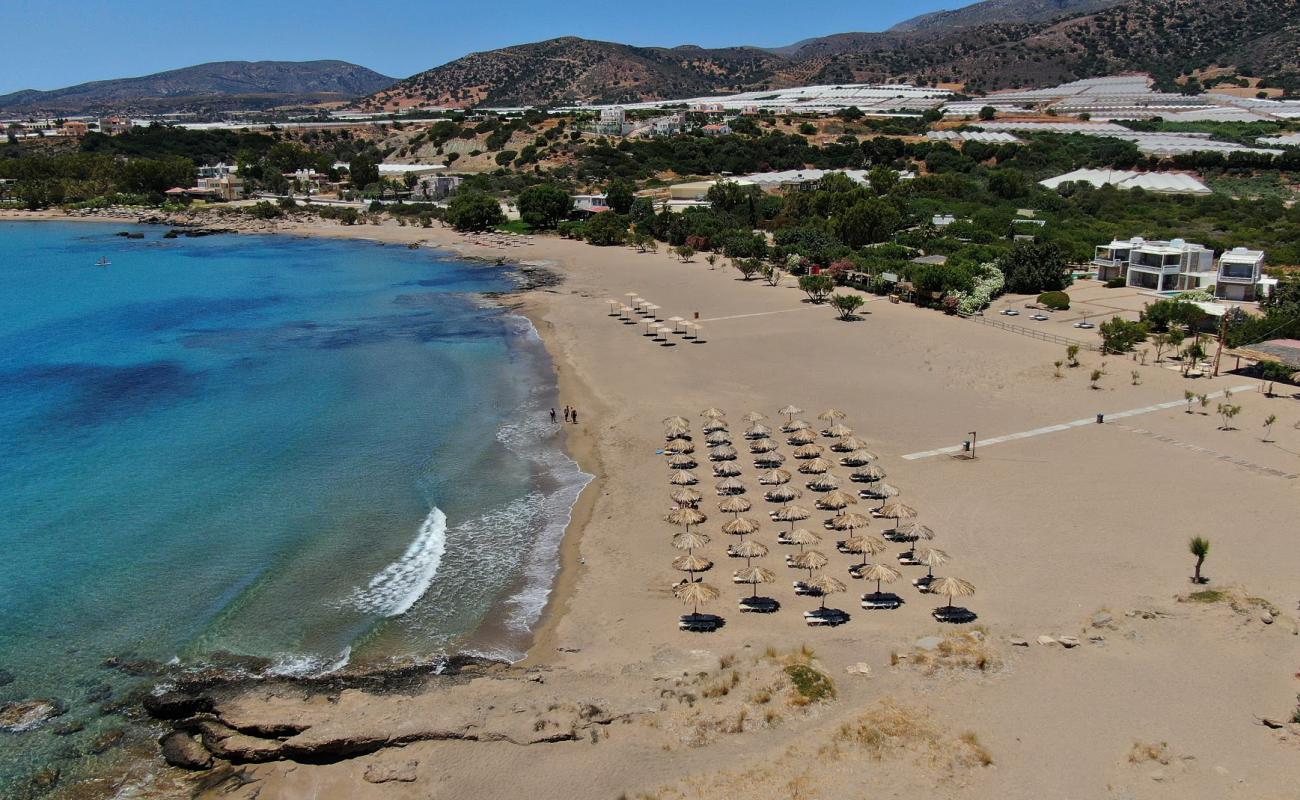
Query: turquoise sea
[310, 451]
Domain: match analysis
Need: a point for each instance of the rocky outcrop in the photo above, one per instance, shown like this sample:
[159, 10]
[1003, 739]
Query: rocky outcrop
[25, 715]
[182, 750]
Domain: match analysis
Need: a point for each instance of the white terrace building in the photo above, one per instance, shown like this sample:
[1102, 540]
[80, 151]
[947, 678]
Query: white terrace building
[1157, 265]
[1241, 272]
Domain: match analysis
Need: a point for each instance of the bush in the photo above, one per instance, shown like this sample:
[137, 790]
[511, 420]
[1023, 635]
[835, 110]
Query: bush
[817, 287]
[606, 229]
[571, 229]
[1116, 283]
[1120, 335]
[1057, 301]
[474, 211]
[1273, 371]
[544, 205]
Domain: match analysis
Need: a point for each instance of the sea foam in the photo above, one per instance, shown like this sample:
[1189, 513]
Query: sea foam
[397, 587]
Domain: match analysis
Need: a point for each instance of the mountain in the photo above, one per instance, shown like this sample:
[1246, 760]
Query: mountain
[991, 45]
[219, 84]
[993, 11]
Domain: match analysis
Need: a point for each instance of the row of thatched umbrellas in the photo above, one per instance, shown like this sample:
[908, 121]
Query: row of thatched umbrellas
[634, 306]
[723, 454]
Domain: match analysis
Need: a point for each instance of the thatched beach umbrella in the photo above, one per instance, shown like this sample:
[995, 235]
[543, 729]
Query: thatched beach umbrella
[677, 433]
[775, 477]
[735, 505]
[723, 452]
[614, 306]
[837, 500]
[797, 425]
[681, 461]
[740, 526]
[691, 564]
[690, 540]
[849, 521]
[686, 516]
[710, 412]
[679, 446]
[757, 431]
[801, 537]
[808, 451]
[931, 557]
[897, 511]
[831, 414]
[730, 486]
[652, 310]
[686, 497]
[683, 478]
[769, 459]
[726, 469]
[811, 560]
[815, 466]
[749, 548]
[885, 490]
[789, 411]
[913, 532]
[866, 545]
[714, 425]
[870, 473]
[694, 594]
[849, 444]
[782, 494]
[802, 438]
[838, 431]
[753, 416]
[952, 587]
[858, 458]
[825, 585]
[791, 514]
[651, 327]
[880, 572]
[677, 421]
[764, 445]
[824, 483]
[718, 438]
[755, 575]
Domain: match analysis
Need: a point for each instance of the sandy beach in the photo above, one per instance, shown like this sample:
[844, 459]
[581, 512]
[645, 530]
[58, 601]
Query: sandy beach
[1091, 671]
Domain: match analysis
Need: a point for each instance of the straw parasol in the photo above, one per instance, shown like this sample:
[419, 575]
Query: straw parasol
[683, 478]
[952, 587]
[679, 446]
[764, 445]
[801, 537]
[614, 306]
[798, 425]
[808, 451]
[714, 425]
[811, 560]
[789, 411]
[690, 540]
[802, 438]
[783, 494]
[677, 420]
[718, 437]
[748, 549]
[775, 477]
[815, 466]
[753, 416]
[677, 433]
[686, 497]
[735, 505]
[866, 545]
[837, 500]
[825, 585]
[730, 486]
[839, 430]
[886, 490]
[880, 572]
[931, 557]
[694, 594]
[757, 431]
[831, 414]
[769, 459]
[710, 412]
[824, 483]
[686, 516]
[791, 514]
[691, 563]
[849, 521]
[848, 444]
[652, 310]
[756, 575]
[897, 511]
[725, 469]
[870, 473]
[740, 526]
[858, 458]
[913, 532]
[681, 461]
[723, 452]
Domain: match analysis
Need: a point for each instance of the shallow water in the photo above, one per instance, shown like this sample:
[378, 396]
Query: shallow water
[304, 450]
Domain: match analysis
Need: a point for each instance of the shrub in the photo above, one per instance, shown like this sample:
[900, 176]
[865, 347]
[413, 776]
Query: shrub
[1116, 283]
[1120, 335]
[987, 286]
[1057, 301]
[474, 211]
[817, 287]
[606, 229]
[846, 304]
[1273, 371]
[812, 686]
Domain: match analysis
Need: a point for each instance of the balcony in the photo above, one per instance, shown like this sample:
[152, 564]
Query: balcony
[1234, 276]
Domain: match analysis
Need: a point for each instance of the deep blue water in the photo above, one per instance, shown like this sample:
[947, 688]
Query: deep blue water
[249, 444]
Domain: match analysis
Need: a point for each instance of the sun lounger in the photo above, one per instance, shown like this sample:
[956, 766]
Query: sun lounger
[781, 538]
[700, 623]
[759, 605]
[804, 590]
[923, 583]
[953, 614]
[908, 558]
[825, 616]
[885, 601]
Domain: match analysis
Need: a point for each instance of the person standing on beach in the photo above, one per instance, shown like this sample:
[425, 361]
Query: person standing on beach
[566, 413]
[574, 414]
[552, 416]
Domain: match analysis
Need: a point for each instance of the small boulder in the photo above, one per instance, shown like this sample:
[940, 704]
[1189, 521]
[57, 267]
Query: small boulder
[1046, 640]
[1016, 641]
[107, 740]
[1101, 619]
[176, 705]
[182, 750]
[1266, 618]
[24, 715]
[929, 643]
[383, 773]
[1068, 641]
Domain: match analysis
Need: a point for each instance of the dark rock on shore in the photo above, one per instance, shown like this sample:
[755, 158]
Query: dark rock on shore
[107, 740]
[176, 705]
[68, 728]
[138, 667]
[99, 693]
[24, 715]
[193, 233]
[181, 750]
[130, 234]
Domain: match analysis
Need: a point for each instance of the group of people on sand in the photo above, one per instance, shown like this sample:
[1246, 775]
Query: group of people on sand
[570, 415]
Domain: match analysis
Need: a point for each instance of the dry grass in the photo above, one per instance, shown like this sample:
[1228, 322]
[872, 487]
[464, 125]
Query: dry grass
[891, 728]
[1142, 752]
[969, 650]
[1236, 598]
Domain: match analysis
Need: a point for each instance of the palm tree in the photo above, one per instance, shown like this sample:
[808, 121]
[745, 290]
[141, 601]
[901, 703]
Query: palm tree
[1199, 547]
[1268, 426]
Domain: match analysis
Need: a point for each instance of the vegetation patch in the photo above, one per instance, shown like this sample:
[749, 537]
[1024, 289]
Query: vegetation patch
[810, 685]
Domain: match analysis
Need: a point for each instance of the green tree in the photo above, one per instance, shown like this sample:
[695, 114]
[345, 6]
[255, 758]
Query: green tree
[1072, 354]
[544, 206]
[606, 229]
[988, 112]
[1269, 422]
[363, 171]
[867, 222]
[883, 179]
[846, 304]
[619, 196]
[474, 211]
[1121, 335]
[817, 287]
[1200, 548]
[748, 267]
[1093, 378]
[1034, 267]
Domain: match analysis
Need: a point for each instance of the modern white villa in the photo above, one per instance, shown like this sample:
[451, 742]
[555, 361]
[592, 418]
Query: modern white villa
[1175, 265]
[1241, 272]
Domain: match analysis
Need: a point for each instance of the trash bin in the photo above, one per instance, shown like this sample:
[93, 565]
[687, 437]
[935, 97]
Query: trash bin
[1101, 418]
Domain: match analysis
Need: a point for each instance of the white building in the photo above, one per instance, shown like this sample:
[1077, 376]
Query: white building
[1240, 273]
[613, 122]
[1157, 265]
[590, 203]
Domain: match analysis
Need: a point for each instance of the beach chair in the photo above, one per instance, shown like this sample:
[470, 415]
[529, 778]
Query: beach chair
[908, 558]
[699, 623]
[759, 605]
[884, 601]
[804, 590]
[828, 617]
[922, 583]
[953, 614]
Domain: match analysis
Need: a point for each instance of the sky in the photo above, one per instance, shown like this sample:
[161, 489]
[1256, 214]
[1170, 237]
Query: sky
[49, 44]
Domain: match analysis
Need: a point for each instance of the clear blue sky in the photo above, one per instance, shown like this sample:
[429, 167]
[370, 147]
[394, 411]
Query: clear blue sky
[53, 43]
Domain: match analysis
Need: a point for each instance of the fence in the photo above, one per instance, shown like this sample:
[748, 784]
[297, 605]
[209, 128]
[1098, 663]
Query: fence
[1033, 333]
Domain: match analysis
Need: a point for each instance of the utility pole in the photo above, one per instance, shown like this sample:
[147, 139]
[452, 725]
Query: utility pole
[1218, 351]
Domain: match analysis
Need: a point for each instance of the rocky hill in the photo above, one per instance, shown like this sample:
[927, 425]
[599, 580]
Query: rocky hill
[1030, 43]
[219, 84]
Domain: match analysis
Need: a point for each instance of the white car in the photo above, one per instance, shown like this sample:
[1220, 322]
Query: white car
[1084, 325]
[1010, 312]
[1039, 317]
